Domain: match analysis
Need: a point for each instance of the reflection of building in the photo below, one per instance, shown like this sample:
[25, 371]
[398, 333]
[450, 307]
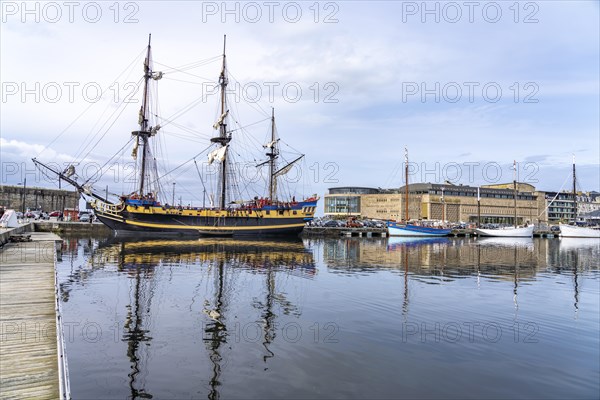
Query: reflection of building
[438, 201]
[458, 257]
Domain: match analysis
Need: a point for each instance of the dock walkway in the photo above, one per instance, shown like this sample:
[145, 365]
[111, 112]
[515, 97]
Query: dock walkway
[30, 345]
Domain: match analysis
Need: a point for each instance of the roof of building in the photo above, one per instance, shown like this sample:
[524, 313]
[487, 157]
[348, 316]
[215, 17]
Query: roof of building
[353, 190]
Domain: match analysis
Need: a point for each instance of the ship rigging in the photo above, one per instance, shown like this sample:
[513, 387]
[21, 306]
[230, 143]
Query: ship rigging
[233, 210]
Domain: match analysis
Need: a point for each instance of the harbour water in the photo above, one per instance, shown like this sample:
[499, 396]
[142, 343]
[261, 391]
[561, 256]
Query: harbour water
[332, 318]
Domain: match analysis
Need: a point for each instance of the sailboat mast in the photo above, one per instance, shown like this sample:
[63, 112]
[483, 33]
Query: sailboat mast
[574, 193]
[143, 133]
[272, 155]
[406, 185]
[515, 189]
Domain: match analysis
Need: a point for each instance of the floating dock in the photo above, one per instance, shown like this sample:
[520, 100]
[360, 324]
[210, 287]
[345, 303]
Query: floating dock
[33, 364]
[312, 231]
[322, 231]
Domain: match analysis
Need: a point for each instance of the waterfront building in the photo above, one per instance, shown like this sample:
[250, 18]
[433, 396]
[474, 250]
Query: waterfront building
[432, 201]
[346, 201]
[560, 207]
[588, 202]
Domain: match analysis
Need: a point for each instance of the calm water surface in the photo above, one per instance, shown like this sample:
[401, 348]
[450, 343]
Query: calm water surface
[347, 318]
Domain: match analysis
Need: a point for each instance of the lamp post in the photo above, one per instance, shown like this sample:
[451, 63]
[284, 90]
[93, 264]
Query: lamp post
[173, 202]
[23, 202]
[478, 209]
[443, 207]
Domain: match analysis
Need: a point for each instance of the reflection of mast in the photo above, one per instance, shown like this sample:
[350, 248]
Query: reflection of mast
[576, 286]
[268, 315]
[516, 281]
[478, 266]
[405, 300]
[217, 334]
[134, 334]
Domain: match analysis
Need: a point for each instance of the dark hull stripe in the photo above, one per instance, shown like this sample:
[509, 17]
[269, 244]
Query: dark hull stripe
[198, 226]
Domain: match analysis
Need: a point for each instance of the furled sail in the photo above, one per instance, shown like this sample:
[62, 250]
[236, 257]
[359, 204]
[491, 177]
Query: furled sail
[287, 168]
[217, 154]
[70, 171]
[87, 189]
[220, 120]
[135, 149]
[271, 144]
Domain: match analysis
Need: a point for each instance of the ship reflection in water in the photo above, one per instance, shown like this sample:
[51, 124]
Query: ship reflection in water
[222, 262]
[347, 317]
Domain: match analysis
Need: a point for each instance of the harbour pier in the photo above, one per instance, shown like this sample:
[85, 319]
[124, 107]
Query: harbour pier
[33, 363]
[315, 231]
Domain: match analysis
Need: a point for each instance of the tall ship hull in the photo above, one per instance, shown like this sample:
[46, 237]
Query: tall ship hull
[395, 229]
[578, 232]
[157, 220]
[525, 232]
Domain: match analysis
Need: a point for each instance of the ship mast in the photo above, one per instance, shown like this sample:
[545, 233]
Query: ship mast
[223, 137]
[272, 154]
[144, 133]
[515, 189]
[406, 185]
[574, 193]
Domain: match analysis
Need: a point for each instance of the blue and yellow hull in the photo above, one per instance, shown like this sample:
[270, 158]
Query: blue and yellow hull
[157, 220]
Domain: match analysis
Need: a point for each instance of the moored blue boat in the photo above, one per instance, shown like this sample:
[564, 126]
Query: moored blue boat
[398, 229]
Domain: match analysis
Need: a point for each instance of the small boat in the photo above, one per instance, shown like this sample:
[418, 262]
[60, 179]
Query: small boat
[406, 229]
[399, 229]
[572, 231]
[509, 231]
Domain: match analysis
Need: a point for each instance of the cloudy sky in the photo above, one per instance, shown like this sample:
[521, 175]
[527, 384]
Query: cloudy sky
[468, 87]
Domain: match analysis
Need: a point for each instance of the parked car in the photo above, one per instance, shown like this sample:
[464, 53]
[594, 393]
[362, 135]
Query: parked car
[331, 223]
[84, 217]
[54, 214]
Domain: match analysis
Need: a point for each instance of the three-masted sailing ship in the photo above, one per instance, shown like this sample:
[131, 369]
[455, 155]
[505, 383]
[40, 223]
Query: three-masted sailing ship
[141, 210]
